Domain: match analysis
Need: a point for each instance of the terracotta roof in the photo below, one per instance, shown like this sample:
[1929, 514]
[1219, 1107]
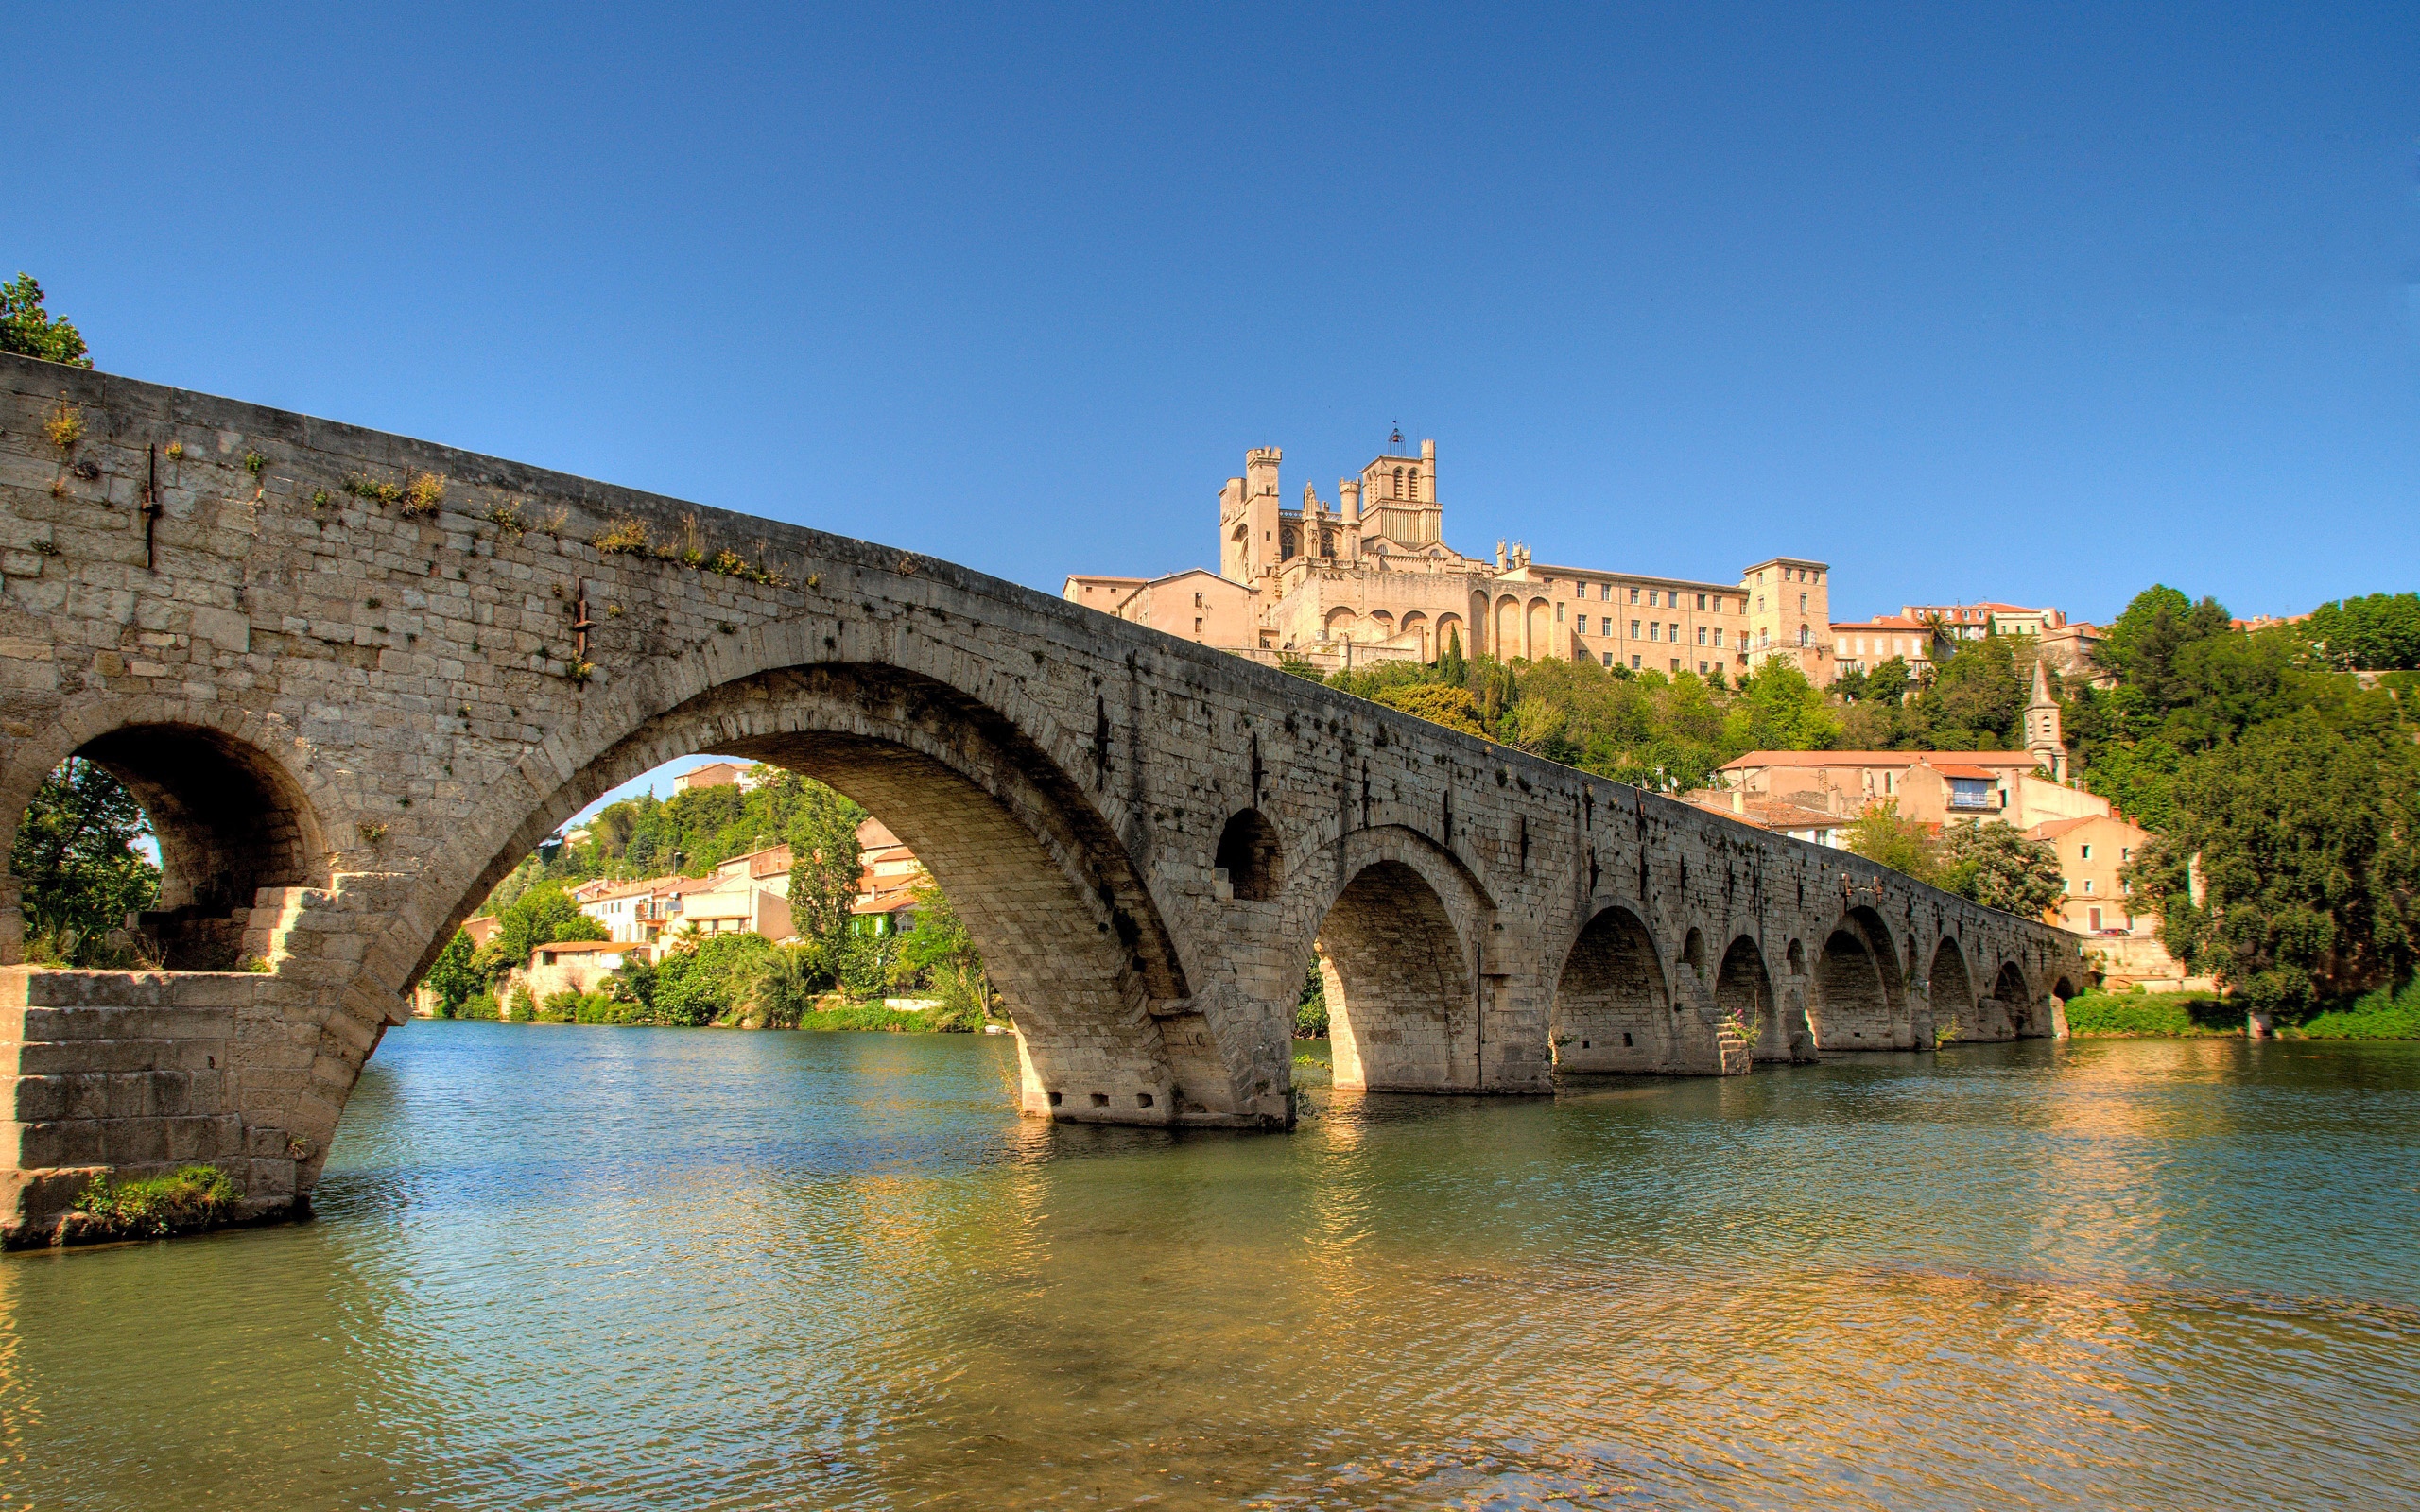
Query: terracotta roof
[1985, 773]
[584, 947]
[1765, 812]
[885, 902]
[1881, 758]
[2052, 829]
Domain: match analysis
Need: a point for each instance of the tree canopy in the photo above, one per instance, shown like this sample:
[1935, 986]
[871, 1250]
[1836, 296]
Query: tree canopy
[77, 855]
[29, 330]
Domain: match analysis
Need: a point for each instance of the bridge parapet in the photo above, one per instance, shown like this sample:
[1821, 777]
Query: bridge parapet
[354, 678]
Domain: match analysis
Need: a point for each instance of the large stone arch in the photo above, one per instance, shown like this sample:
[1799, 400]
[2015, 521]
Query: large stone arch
[1860, 1000]
[1506, 642]
[1743, 994]
[1537, 630]
[232, 814]
[1614, 1009]
[1391, 917]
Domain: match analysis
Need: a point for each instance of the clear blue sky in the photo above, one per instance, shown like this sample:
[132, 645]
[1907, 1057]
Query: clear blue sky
[2039, 305]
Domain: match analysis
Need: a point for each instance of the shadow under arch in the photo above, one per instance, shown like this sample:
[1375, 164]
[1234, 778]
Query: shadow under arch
[1859, 1001]
[2027, 1020]
[1070, 935]
[1402, 1016]
[229, 819]
[1952, 987]
[1612, 1008]
[1251, 856]
[1744, 991]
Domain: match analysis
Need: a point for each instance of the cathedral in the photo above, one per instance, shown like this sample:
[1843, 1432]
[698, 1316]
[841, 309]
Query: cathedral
[1370, 578]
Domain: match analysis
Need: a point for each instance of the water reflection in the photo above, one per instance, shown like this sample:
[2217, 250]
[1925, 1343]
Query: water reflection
[594, 1267]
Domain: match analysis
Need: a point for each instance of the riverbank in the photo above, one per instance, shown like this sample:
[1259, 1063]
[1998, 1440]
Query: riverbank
[2379, 1014]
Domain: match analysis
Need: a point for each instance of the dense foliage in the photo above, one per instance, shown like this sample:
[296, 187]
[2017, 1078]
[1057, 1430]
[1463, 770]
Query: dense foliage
[76, 853]
[2282, 784]
[1989, 863]
[29, 330]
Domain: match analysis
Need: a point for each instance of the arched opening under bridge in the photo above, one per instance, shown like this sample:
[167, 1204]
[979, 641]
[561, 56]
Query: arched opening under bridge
[1401, 1016]
[1249, 857]
[1613, 1009]
[1952, 992]
[1858, 1003]
[227, 820]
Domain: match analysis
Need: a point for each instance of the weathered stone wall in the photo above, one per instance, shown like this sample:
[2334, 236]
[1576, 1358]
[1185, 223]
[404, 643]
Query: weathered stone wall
[344, 672]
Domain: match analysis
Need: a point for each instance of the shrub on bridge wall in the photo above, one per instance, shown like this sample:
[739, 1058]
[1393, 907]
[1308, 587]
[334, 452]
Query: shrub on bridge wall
[185, 1201]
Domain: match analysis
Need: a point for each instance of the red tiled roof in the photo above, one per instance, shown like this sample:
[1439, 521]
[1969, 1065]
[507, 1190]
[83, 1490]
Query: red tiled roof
[1880, 758]
[1967, 771]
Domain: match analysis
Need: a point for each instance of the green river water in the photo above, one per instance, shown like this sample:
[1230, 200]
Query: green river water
[595, 1268]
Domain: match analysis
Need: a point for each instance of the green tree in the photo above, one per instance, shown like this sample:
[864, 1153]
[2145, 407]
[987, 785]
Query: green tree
[1993, 865]
[1778, 709]
[938, 954]
[76, 854]
[1451, 667]
[778, 988]
[545, 914]
[28, 331]
[823, 868]
[2378, 634]
[451, 978]
[697, 986]
[1880, 835]
[1439, 703]
[2307, 843]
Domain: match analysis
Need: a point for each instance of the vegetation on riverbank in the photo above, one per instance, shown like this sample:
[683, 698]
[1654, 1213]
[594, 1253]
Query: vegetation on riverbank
[185, 1201]
[2381, 1014]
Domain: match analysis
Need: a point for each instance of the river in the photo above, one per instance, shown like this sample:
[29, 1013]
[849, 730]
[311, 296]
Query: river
[597, 1268]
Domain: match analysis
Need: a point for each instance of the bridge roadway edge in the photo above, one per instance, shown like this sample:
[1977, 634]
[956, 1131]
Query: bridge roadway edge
[395, 693]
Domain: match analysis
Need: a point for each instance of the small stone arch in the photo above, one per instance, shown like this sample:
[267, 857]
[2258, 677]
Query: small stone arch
[230, 821]
[1952, 987]
[1415, 624]
[1743, 994]
[1797, 958]
[1449, 631]
[1612, 1009]
[1341, 621]
[2016, 998]
[1251, 857]
[1693, 953]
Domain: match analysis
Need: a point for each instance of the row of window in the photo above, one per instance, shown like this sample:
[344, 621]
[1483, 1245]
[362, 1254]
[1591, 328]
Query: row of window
[1656, 631]
[1656, 597]
[1635, 663]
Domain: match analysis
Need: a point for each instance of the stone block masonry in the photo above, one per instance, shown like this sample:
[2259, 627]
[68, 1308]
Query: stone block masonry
[354, 678]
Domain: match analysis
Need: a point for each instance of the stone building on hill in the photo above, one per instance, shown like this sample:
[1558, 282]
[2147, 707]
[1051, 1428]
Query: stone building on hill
[1370, 577]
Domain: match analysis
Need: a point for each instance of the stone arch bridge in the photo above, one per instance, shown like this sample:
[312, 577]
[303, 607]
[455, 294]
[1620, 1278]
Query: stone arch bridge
[353, 677]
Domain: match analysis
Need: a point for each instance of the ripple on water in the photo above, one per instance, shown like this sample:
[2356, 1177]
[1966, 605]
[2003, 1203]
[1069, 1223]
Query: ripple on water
[590, 1267]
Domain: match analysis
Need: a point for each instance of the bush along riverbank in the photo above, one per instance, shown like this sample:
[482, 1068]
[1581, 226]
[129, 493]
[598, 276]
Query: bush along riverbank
[2382, 1014]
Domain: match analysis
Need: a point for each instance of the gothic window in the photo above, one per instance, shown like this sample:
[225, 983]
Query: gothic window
[1398, 483]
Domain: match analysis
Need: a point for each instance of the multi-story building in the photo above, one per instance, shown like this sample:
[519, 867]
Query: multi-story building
[1371, 577]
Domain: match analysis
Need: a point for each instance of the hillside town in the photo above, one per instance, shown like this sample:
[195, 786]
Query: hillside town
[1369, 579]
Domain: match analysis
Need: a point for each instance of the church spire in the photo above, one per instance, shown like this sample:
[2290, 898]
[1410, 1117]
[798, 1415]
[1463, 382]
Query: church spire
[2043, 736]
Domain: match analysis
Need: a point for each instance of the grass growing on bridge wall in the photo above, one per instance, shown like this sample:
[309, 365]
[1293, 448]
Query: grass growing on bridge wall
[196, 1197]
